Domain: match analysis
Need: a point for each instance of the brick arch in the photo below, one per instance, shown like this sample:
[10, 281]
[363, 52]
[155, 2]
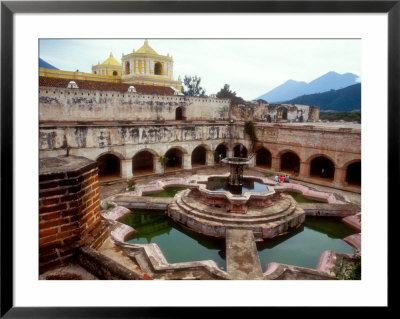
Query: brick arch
[353, 173]
[199, 155]
[175, 156]
[289, 161]
[117, 154]
[313, 156]
[322, 166]
[204, 145]
[109, 164]
[181, 148]
[236, 150]
[150, 150]
[346, 165]
[143, 162]
[286, 150]
[263, 157]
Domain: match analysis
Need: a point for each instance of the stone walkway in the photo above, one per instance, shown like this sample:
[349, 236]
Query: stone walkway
[242, 261]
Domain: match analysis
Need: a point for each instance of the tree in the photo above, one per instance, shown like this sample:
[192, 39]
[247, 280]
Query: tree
[226, 93]
[191, 86]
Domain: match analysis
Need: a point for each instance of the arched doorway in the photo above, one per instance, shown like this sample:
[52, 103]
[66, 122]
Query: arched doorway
[175, 159]
[115, 73]
[143, 163]
[263, 158]
[109, 166]
[179, 114]
[158, 68]
[240, 151]
[282, 114]
[199, 156]
[127, 68]
[322, 167]
[221, 151]
[353, 174]
[290, 162]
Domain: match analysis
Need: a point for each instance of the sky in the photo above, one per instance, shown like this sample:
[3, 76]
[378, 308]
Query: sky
[251, 67]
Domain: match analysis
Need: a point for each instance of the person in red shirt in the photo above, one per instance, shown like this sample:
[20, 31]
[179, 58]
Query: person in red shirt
[280, 178]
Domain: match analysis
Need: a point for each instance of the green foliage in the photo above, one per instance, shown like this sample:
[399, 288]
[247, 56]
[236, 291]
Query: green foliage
[110, 205]
[337, 116]
[226, 93]
[223, 109]
[250, 130]
[348, 269]
[191, 86]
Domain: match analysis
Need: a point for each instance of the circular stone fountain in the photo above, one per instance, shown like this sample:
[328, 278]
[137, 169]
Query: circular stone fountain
[215, 203]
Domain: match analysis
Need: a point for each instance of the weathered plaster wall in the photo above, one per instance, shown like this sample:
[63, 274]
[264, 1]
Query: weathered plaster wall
[60, 105]
[259, 111]
[92, 140]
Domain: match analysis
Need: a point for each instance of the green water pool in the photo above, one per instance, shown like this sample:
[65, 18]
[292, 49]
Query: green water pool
[168, 191]
[301, 199]
[302, 247]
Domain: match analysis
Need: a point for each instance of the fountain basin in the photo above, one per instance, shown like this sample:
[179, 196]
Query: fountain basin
[233, 203]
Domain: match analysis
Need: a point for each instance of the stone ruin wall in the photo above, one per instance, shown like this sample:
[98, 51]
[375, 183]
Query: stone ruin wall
[128, 139]
[258, 112]
[66, 105]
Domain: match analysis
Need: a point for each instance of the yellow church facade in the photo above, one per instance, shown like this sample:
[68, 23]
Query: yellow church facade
[144, 66]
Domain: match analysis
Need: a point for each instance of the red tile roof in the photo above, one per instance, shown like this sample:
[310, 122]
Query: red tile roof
[104, 86]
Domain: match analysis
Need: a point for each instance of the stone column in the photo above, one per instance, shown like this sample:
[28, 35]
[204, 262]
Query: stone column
[132, 67]
[304, 170]
[157, 165]
[229, 153]
[210, 158]
[340, 177]
[187, 161]
[126, 168]
[275, 163]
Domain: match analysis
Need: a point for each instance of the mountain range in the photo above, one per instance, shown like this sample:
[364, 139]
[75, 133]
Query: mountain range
[44, 64]
[343, 100]
[292, 89]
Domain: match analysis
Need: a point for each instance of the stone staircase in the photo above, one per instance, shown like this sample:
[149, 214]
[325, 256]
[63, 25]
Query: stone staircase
[214, 221]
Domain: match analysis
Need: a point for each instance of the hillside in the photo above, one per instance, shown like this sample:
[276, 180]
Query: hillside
[292, 89]
[343, 100]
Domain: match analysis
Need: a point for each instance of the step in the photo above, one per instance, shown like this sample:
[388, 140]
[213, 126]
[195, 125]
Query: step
[233, 218]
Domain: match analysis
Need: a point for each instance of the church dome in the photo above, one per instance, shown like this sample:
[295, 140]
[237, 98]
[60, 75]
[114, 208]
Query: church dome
[146, 49]
[111, 61]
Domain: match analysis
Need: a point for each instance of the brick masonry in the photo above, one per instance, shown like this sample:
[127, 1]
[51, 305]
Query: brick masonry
[69, 209]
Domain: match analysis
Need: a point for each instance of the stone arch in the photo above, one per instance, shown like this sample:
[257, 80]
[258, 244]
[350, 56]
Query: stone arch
[143, 162]
[353, 173]
[263, 158]
[290, 162]
[221, 150]
[199, 156]
[158, 69]
[240, 151]
[115, 73]
[109, 165]
[322, 166]
[175, 158]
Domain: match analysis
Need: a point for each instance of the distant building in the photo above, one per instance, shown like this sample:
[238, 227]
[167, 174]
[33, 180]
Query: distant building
[144, 67]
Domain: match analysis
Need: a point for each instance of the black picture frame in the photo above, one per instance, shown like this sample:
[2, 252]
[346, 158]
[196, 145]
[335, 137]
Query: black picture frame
[9, 8]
